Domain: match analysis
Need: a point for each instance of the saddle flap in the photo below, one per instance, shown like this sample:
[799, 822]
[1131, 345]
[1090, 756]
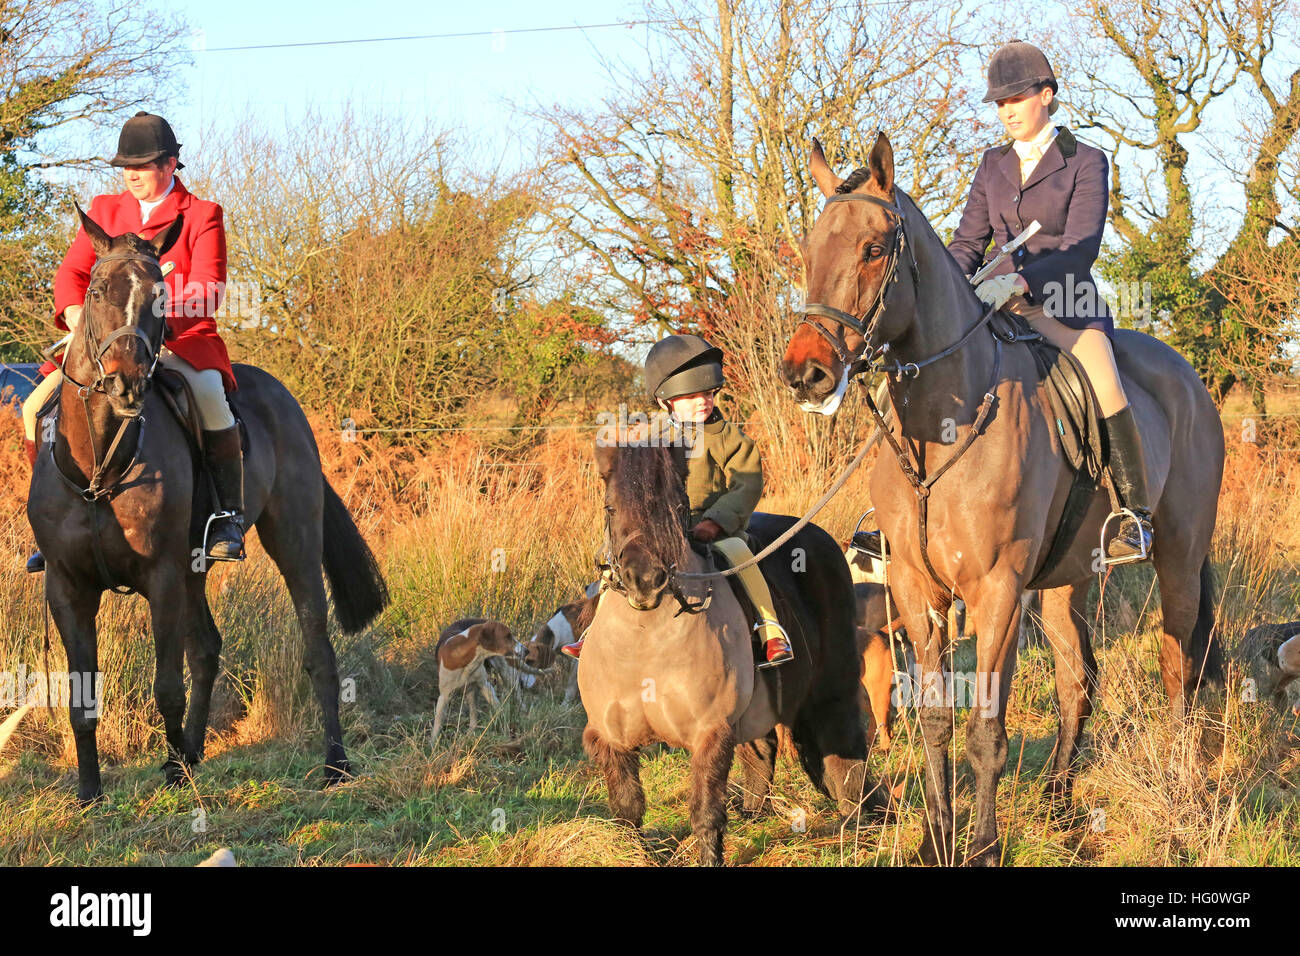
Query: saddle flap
[1076, 414]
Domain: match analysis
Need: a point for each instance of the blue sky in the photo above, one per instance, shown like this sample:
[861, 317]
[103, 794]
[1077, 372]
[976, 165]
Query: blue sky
[463, 82]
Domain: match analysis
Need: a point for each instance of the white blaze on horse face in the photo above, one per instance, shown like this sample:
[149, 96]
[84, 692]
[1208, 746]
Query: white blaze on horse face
[831, 404]
[132, 308]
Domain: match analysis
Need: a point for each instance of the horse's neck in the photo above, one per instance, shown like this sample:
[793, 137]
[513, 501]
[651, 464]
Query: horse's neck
[76, 430]
[951, 388]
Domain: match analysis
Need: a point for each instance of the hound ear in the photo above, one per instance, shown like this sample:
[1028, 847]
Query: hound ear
[822, 173]
[167, 238]
[99, 239]
[882, 164]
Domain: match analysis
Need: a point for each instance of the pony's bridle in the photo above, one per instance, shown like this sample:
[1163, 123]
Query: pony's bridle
[611, 575]
[97, 349]
[864, 325]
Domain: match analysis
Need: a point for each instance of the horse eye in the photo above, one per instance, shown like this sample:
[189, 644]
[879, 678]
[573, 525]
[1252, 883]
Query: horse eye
[874, 251]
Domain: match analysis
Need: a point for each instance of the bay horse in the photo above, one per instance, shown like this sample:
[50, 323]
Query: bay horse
[886, 294]
[115, 498]
[656, 667]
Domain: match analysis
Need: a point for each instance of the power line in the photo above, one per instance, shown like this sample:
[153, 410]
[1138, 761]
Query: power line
[457, 36]
[512, 31]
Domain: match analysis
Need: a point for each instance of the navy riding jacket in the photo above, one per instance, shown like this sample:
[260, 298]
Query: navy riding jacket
[1067, 193]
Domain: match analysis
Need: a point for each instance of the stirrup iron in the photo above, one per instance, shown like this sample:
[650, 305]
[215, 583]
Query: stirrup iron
[760, 626]
[217, 516]
[1143, 555]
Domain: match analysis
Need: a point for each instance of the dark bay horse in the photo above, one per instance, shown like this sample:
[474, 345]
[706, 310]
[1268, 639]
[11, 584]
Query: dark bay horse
[879, 277]
[113, 500]
[656, 668]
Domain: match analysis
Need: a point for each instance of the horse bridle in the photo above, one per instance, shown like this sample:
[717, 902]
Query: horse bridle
[611, 576]
[97, 350]
[864, 325]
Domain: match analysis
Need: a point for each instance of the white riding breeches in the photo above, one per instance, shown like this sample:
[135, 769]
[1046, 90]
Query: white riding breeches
[209, 391]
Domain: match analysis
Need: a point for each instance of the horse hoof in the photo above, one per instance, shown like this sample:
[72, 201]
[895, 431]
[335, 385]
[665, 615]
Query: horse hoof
[992, 856]
[337, 772]
[86, 800]
[928, 854]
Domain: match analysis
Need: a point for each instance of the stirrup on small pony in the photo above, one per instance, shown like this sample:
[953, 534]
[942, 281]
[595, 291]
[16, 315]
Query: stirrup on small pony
[217, 516]
[1107, 559]
[761, 626]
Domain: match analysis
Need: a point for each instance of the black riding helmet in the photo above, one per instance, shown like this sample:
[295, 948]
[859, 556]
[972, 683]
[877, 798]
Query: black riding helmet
[682, 365]
[1019, 67]
[145, 138]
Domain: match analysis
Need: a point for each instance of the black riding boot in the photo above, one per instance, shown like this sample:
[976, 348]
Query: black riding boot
[226, 534]
[1128, 471]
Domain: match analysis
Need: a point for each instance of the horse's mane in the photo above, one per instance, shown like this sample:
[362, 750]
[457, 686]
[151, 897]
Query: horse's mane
[649, 494]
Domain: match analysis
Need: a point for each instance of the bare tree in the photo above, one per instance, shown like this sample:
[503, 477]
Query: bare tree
[1149, 89]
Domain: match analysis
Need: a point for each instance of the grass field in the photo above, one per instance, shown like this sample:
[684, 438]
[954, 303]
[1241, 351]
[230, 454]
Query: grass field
[462, 535]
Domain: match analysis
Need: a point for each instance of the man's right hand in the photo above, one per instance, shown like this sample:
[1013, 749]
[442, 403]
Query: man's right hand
[72, 316]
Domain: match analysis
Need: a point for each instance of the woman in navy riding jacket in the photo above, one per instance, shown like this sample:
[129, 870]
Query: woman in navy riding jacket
[1044, 173]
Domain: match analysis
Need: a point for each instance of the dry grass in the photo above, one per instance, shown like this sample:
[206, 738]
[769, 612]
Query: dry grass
[468, 533]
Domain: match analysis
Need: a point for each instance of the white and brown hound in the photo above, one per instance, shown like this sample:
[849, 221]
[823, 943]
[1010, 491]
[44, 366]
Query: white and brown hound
[462, 649]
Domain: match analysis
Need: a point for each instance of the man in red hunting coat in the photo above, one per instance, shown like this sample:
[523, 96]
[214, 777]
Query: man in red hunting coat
[153, 199]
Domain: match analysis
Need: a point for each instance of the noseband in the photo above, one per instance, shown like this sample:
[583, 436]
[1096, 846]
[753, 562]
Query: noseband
[864, 326]
[611, 575]
[97, 349]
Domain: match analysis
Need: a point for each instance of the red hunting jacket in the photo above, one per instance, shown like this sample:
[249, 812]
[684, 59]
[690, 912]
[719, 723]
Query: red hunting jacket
[196, 284]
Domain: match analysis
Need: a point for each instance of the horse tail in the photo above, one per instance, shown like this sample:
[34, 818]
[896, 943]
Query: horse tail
[1205, 646]
[355, 580]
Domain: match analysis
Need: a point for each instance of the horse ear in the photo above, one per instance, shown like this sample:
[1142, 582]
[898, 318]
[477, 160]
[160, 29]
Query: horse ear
[605, 457]
[822, 173]
[882, 164]
[167, 238]
[99, 239]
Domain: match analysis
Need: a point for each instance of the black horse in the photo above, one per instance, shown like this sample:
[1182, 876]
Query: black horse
[114, 503]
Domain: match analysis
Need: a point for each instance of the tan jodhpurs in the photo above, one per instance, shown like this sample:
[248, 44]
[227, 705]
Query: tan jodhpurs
[1090, 346]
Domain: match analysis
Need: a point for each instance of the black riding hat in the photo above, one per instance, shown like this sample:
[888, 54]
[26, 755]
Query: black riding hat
[1018, 67]
[682, 365]
[144, 139]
